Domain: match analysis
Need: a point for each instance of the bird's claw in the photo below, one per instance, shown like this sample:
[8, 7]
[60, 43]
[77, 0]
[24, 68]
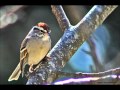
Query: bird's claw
[31, 69]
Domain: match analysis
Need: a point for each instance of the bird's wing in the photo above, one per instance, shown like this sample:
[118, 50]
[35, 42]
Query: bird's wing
[23, 55]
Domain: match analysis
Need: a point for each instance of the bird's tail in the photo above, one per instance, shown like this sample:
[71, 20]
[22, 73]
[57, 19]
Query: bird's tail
[16, 73]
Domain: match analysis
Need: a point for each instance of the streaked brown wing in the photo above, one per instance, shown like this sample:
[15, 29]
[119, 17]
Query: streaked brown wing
[23, 44]
[23, 55]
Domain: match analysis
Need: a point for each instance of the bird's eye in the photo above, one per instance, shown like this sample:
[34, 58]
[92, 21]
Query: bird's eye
[42, 31]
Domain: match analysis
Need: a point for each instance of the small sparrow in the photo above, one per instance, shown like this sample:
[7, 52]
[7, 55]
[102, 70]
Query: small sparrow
[33, 49]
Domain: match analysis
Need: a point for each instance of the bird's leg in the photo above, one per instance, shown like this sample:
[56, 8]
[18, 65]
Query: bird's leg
[31, 68]
[38, 66]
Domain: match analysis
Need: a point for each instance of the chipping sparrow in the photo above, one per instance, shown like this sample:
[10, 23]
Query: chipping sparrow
[33, 49]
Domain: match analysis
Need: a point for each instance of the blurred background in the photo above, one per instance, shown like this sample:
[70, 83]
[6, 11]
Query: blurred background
[100, 52]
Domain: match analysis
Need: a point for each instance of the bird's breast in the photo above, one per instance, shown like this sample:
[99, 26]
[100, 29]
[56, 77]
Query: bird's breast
[37, 50]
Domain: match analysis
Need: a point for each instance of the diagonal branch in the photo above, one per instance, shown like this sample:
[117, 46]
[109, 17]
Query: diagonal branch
[73, 37]
[61, 17]
[93, 19]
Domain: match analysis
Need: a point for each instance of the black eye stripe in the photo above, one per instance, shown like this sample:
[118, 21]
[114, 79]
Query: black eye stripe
[36, 29]
[42, 31]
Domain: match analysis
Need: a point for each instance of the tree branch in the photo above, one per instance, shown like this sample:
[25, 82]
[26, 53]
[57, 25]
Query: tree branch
[73, 37]
[115, 71]
[93, 19]
[61, 17]
[90, 78]
[109, 79]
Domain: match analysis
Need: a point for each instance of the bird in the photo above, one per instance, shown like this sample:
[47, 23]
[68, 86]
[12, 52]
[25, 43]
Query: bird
[33, 50]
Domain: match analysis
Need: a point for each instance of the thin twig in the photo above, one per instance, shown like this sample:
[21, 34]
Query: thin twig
[79, 77]
[115, 71]
[98, 65]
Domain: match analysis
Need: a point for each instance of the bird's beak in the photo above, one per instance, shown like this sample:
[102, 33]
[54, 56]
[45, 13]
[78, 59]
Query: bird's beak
[49, 31]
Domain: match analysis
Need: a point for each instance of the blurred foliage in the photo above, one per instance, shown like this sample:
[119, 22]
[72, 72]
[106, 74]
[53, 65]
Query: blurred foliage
[11, 36]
